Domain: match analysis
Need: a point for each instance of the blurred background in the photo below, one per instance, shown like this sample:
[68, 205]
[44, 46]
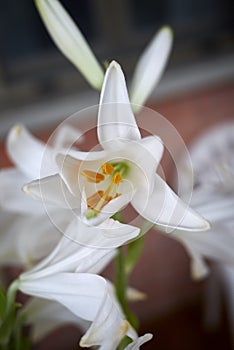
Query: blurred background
[33, 73]
[40, 88]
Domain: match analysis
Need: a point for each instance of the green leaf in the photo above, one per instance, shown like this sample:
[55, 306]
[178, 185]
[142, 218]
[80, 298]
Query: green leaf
[124, 342]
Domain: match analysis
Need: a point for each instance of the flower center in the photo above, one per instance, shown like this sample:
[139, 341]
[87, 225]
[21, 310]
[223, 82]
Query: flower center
[112, 171]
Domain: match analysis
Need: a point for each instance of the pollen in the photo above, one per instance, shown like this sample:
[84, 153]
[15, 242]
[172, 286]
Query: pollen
[117, 178]
[107, 169]
[92, 176]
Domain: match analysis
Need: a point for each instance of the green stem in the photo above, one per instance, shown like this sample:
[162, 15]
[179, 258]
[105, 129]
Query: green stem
[121, 279]
[10, 315]
[11, 294]
[121, 285]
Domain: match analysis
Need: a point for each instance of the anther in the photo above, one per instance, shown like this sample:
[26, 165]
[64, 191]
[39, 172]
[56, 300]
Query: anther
[107, 169]
[92, 176]
[117, 178]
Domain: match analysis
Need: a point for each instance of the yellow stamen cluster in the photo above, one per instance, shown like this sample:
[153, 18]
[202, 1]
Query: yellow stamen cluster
[99, 199]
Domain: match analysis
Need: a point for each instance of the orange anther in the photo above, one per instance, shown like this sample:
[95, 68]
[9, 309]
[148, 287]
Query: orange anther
[107, 169]
[117, 178]
[92, 176]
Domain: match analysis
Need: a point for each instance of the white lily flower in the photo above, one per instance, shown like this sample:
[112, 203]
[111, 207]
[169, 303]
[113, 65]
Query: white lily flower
[69, 39]
[21, 214]
[123, 172]
[88, 296]
[213, 197]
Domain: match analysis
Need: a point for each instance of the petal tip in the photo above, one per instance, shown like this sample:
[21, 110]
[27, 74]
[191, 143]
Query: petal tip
[167, 29]
[114, 65]
[15, 131]
[25, 189]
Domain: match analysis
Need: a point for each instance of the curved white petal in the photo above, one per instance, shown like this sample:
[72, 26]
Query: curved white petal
[71, 165]
[81, 293]
[70, 40]
[52, 190]
[150, 67]
[108, 327]
[65, 136]
[12, 197]
[9, 236]
[106, 236]
[84, 249]
[216, 244]
[143, 157]
[135, 345]
[19, 245]
[216, 206]
[115, 116]
[44, 316]
[165, 208]
[29, 154]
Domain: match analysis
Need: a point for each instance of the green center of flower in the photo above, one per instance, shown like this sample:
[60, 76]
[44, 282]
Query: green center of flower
[115, 173]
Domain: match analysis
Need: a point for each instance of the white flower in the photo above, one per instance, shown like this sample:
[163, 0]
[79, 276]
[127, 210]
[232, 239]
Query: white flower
[27, 233]
[88, 297]
[73, 45]
[124, 171]
[67, 276]
[213, 197]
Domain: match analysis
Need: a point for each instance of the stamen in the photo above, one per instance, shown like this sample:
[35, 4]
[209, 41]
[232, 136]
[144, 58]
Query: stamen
[117, 178]
[93, 200]
[91, 176]
[98, 200]
[107, 169]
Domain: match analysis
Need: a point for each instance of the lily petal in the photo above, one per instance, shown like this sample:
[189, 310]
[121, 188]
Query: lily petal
[135, 345]
[12, 197]
[150, 67]
[29, 154]
[52, 190]
[70, 167]
[19, 246]
[44, 316]
[107, 322]
[198, 266]
[65, 136]
[216, 205]
[70, 40]
[84, 249]
[115, 116]
[166, 209]
[80, 293]
[215, 244]
[108, 235]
